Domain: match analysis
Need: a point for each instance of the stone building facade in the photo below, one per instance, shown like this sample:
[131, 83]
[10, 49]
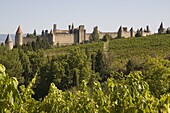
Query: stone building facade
[67, 37]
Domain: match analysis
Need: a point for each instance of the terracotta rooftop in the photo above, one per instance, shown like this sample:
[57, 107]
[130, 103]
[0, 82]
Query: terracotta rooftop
[19, 30]
[8, 39]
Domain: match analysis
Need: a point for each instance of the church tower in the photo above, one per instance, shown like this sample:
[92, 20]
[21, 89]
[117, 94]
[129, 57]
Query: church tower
[19, 37]
[9, 42]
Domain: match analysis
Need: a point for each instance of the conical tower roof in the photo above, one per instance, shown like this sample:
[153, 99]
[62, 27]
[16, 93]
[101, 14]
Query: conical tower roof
[131, 29]
[8, 39]
[19, 30]
[120, 28]
[161, 26]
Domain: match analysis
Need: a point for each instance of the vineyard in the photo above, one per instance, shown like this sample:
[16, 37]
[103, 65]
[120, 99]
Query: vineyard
[133, 77]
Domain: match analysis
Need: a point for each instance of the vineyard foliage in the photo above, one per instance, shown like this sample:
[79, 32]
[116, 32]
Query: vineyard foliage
[131, 96]
[134, 77]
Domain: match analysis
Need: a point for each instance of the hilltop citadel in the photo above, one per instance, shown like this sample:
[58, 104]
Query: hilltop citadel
[78, 35]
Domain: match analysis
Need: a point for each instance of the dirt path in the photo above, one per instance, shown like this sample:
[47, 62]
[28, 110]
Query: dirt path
[106, 49]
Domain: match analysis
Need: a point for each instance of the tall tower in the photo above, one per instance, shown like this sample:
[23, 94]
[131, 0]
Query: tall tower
[131, 32]
[19, 37]
[52, 38]
[161, 29]
[120, 32]
[54, 27]
[161, 26]
[72, 28]
[82, 33]
[9, 42]
[69, 28]
[147, 29]
[141, 31]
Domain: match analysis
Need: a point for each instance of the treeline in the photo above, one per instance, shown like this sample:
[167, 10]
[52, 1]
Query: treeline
[65, 71]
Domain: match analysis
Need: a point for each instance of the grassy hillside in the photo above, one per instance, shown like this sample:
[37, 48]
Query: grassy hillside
[91, 47]
[122, 50]
[139, 49]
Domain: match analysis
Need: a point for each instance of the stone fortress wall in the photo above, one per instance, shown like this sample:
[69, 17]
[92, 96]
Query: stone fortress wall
[73, 35]
[112, 34]
[79, 35]
[28, 39]
[64, 39]
[67, 37]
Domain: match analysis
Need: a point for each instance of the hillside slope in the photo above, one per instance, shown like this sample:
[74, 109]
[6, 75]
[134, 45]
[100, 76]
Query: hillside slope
[124, 49]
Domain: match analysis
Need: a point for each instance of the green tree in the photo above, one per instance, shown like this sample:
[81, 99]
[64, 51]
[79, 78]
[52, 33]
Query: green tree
[99, 63]
[34, 46]
[28, 47]
[42, 84]
[157, 74]
[26, 65]
[45, 44]
[57, 71]
[95, 35]
[60, 72]
[79, 61]
[11, 60]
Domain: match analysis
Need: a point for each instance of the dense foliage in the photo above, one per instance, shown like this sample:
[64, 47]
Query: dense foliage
[133, 77]
[132, 95]
[40, 43]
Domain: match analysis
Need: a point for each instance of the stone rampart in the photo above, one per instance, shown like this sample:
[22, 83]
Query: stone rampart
[29, 39]
[64, 39]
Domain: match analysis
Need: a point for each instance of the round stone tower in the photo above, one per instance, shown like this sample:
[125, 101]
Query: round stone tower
[19, 37]
[9, 42]
[131, 32]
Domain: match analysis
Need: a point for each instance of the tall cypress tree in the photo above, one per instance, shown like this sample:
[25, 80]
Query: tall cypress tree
[95, 35]
[99, 64]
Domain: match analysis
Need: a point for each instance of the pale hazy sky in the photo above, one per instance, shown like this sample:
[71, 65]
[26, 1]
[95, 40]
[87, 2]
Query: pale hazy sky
[108, 15]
